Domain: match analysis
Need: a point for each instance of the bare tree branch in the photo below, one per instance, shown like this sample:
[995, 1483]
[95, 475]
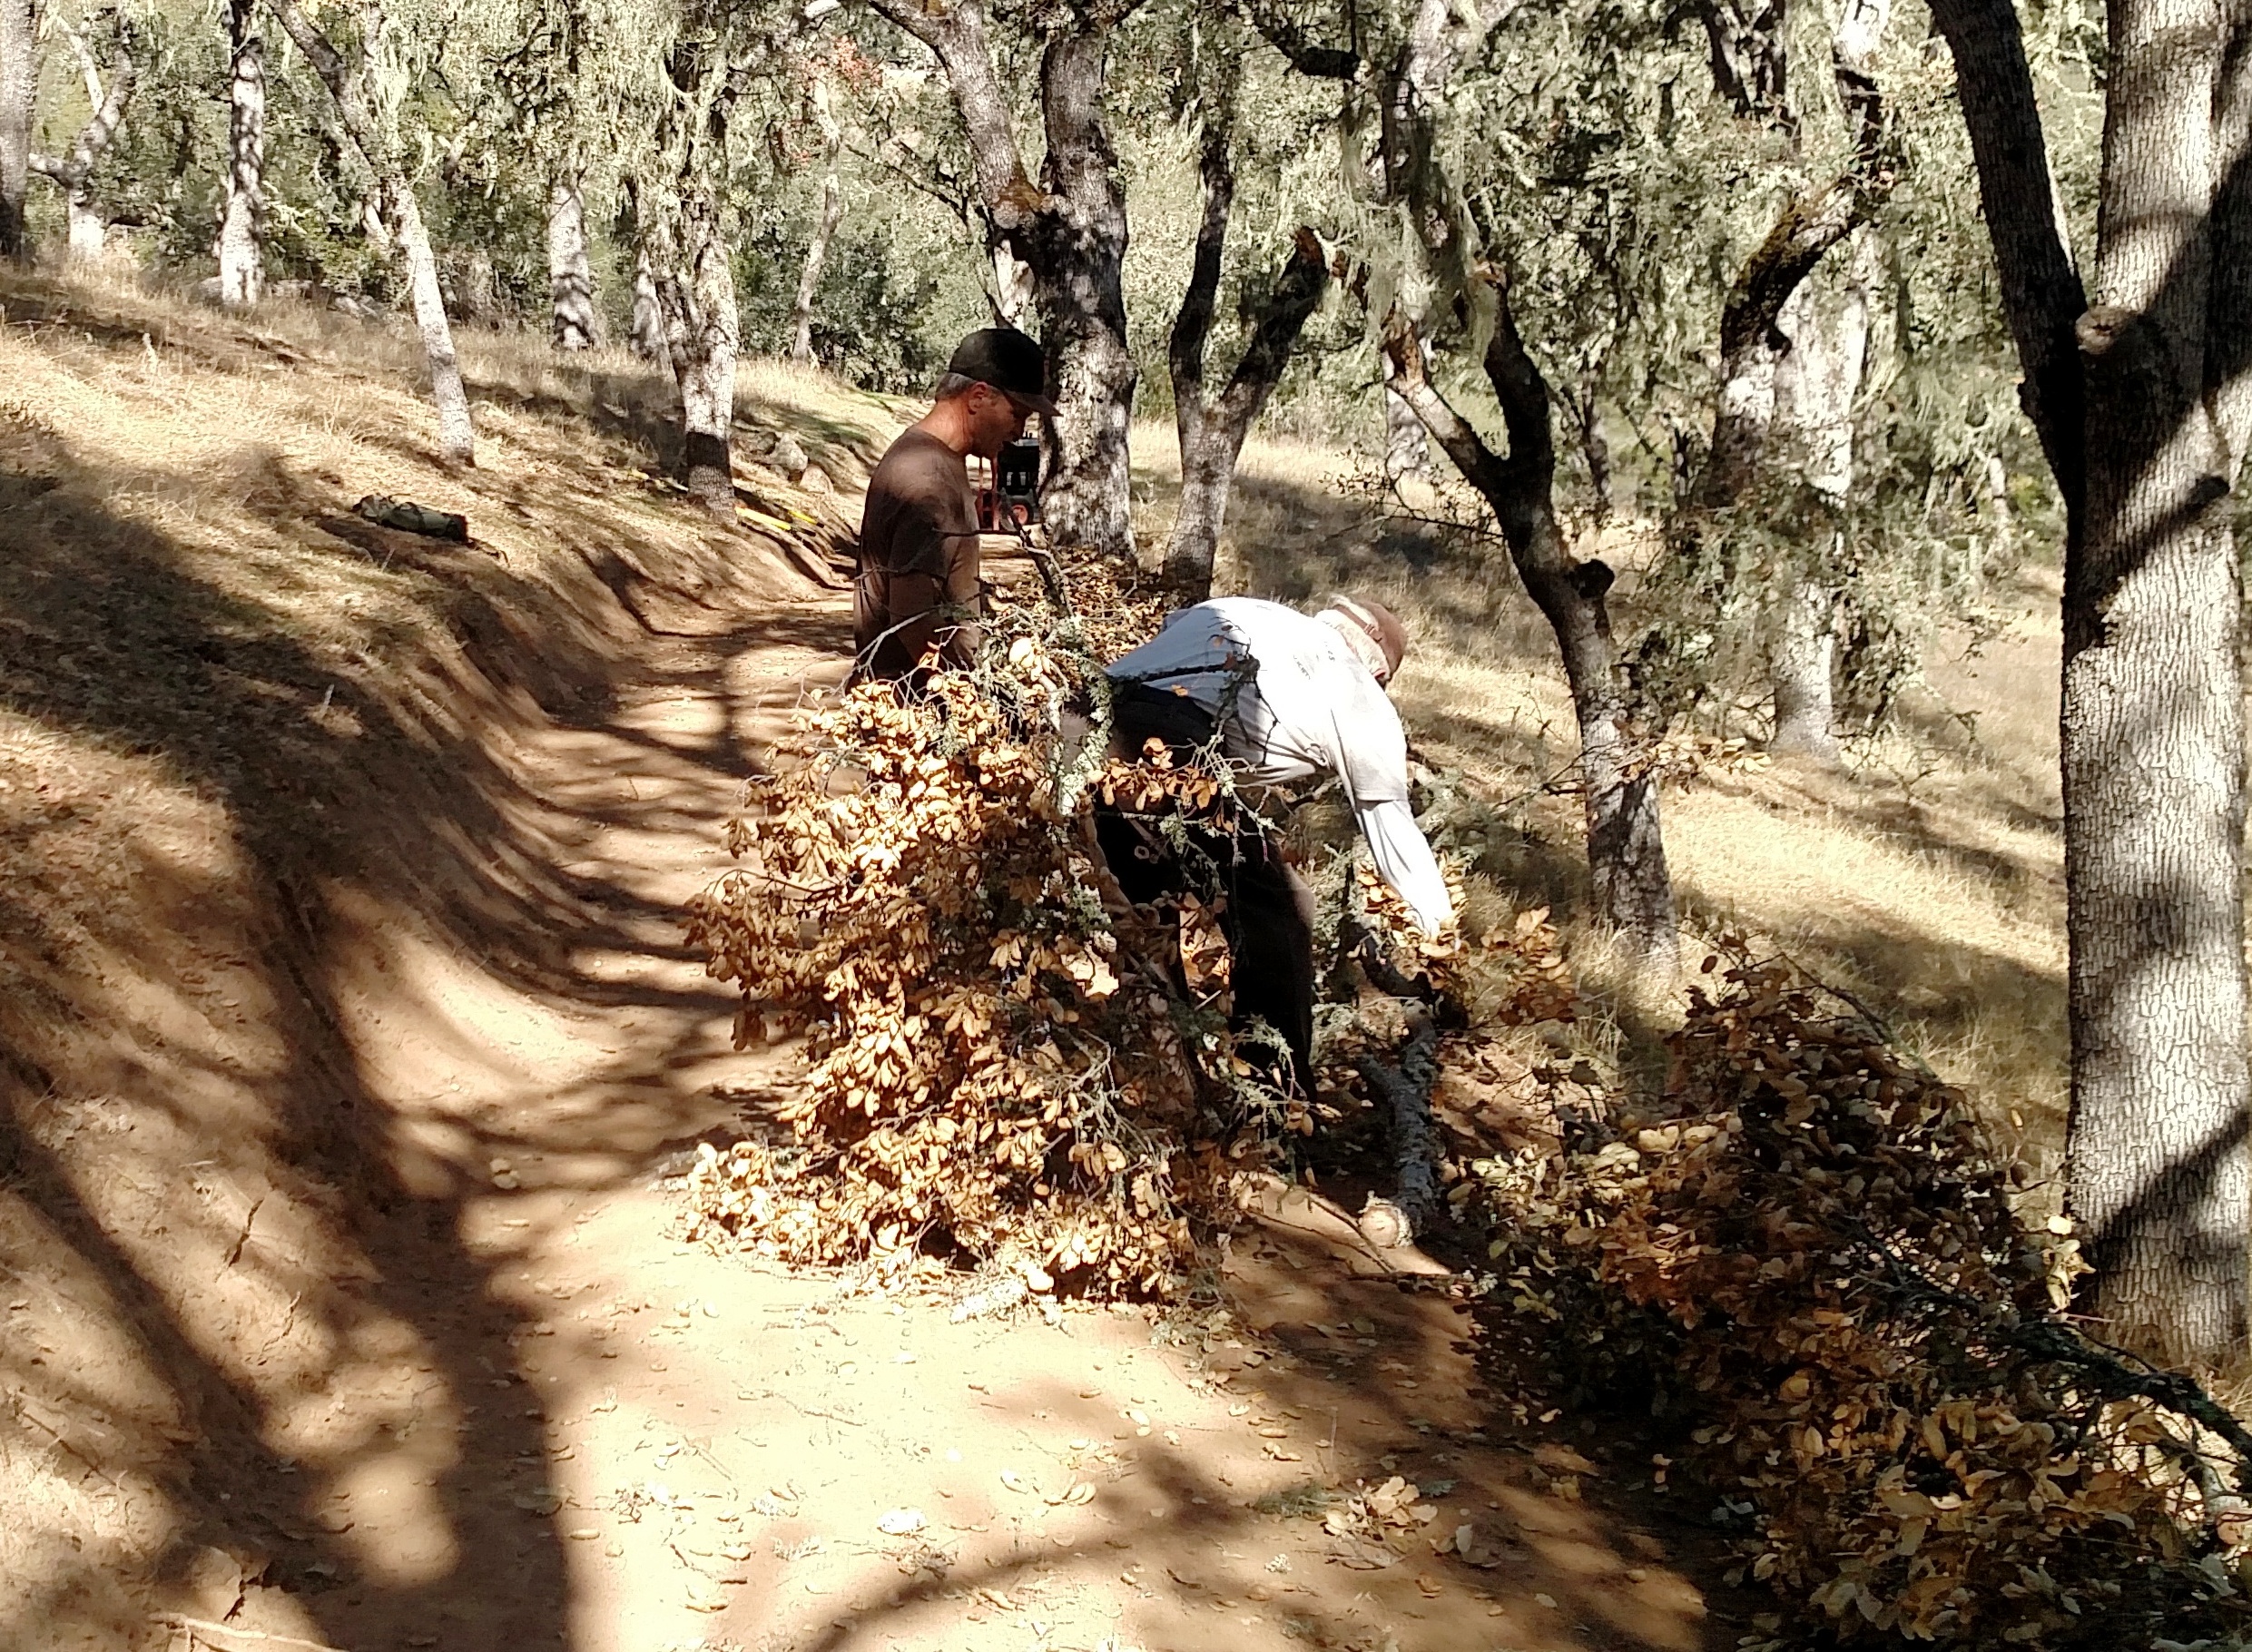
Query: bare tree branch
[109, 106]
[2041, 292]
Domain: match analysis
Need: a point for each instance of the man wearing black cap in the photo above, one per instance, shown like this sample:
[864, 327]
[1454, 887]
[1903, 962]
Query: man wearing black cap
[919, 577]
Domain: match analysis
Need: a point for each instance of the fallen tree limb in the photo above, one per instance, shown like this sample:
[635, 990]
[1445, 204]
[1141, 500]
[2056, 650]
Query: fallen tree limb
[1406, 1089]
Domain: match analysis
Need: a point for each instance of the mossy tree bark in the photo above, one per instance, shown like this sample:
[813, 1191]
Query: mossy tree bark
[574, 324]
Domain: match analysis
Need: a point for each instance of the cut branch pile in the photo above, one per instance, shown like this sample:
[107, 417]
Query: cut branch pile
[1819, 1264]
[1002, 1068]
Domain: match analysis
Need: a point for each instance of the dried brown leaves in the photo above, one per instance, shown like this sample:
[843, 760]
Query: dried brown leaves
[998, 1064]
[1862, 1335]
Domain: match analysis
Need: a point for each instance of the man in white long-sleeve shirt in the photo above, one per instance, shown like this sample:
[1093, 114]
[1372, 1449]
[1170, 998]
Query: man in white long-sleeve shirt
[1289, 698]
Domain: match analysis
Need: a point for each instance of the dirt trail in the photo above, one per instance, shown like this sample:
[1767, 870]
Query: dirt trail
[711, 1451]
[348, 1038]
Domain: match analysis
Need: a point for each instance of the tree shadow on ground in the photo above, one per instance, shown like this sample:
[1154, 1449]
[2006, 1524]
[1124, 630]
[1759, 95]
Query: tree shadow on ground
[246, 1298]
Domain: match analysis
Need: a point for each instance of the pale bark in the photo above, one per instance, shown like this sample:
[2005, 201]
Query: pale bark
[701, 335]
[1626, 848]
[2158, 1171]
[1212, 432]
[695, 280]
[2137, 400]
[1014, 289]
[648, 325]
[19, 91]
[89, 229]
[241, 260]
[1814, 221]
[1802, 663]
[1816, 381]
[1070, 229]
[816, 255]
[570, 276]
[645, 332]
[456, 436]
[1407, 449]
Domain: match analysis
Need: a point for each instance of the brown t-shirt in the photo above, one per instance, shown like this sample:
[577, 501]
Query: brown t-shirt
[919, 556]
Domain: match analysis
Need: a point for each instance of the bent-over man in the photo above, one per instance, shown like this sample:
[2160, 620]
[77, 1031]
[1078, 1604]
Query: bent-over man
[1285, 698]
[918, 579]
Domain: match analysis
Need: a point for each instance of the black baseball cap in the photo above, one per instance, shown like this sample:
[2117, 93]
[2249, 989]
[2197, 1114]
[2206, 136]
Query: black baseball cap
[1010, 361]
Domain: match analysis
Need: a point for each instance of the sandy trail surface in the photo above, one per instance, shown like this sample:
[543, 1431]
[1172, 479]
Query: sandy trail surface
[666, 1446]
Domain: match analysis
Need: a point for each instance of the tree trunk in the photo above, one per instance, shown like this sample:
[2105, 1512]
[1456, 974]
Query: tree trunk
[456, 436]
[1071, 230]
[1752, 343]
[1595, 448]
[241, 260]
[648, 336]
[816, 255]
[88, 229]
[645, 335]
[1088, 499]
[2153, 731]
[1212, 432]
[701, 333]
[2141, 404]
[19, 91]
[1816, 380]
[1801, 654]
[1014, 289]
[1212, 435]
[1626, 849]
[570, 276]
[1407, 449]
[1409, 178]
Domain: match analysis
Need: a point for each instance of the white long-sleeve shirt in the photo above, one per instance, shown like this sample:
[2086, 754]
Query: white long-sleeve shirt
[1294, 701]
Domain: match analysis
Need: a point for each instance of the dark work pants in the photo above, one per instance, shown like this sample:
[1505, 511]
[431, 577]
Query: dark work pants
[1265, 910]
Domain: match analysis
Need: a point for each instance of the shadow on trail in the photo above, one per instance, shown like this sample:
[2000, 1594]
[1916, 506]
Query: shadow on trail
[241, 1329]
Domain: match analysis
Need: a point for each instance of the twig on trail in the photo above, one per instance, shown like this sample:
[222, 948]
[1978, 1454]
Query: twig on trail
[810, 1411]
[199, 1626]
[18, 1401]
[1415, 1203]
